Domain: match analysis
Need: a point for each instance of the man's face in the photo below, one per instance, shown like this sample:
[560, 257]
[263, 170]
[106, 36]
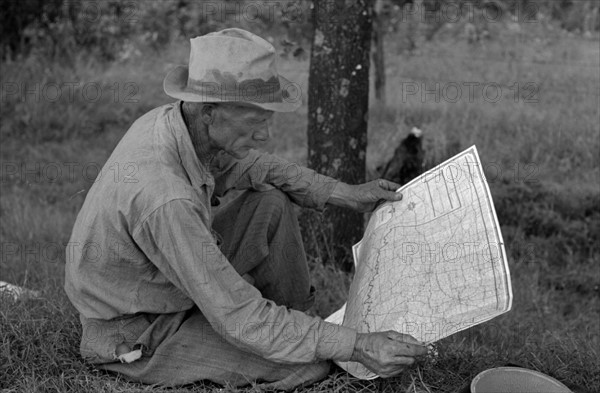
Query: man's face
[236, 129]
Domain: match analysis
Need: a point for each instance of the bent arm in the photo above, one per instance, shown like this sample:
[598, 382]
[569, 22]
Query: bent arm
[261, 172]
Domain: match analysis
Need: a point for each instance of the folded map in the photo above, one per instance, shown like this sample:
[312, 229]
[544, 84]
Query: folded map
[432, 264]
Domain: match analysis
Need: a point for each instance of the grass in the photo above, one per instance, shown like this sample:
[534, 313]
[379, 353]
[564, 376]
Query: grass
[540, 158]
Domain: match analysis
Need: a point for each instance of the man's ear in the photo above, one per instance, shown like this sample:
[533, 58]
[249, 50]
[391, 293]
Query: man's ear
[208, 112]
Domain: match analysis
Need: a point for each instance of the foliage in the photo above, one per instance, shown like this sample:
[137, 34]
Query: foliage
[59, 28]
[17, 16]
[106, 28]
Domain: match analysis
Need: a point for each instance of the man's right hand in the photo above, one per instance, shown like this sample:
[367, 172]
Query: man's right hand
[386, 353]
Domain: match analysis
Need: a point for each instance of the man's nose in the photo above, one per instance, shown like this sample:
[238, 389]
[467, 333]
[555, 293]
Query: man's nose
[262, 135]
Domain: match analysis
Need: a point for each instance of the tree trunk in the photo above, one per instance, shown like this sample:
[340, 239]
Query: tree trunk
[378, 52]
[338, 101]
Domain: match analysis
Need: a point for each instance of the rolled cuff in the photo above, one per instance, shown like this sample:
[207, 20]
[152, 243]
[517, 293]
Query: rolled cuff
[336, 342]
[320, 192]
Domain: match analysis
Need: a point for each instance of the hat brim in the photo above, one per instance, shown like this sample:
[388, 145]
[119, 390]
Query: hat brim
[175, 85]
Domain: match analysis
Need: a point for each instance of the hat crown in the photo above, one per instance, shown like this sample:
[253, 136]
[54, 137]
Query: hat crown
[233, 65]
[231, 56]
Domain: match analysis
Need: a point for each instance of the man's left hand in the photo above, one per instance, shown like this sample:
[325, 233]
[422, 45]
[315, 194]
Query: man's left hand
[365, 197]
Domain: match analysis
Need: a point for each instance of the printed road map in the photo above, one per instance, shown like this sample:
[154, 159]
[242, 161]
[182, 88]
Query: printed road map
[432, 264]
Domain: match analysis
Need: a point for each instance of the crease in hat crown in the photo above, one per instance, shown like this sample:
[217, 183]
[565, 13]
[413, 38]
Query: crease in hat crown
[236, 55]
[231, 65]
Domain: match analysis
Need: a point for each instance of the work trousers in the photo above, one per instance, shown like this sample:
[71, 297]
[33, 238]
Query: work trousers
[259, 234]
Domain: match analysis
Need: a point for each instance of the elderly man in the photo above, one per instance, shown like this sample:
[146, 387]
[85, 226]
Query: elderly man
[171, 290]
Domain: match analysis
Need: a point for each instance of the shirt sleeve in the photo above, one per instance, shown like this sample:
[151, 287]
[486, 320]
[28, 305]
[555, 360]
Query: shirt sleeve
[262, 171]
[180, 245]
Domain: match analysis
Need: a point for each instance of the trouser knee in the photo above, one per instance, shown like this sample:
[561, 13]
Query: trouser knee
[275, 200]
[275, 205]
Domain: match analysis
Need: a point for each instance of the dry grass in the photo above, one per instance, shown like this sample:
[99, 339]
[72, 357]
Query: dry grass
[549, 210]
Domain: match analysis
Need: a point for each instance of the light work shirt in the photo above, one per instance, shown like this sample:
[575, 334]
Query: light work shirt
[142, 243]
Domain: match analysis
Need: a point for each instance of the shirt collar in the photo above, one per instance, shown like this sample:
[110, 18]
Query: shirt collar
[197, 172]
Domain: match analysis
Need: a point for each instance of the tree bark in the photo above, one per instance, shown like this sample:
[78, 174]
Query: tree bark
[378, 52]
[338, 101]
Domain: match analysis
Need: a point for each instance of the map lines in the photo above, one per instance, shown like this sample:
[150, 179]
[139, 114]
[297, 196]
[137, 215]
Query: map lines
[426, 265]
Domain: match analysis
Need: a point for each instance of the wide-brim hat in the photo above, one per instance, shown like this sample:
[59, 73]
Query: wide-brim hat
[233, 65]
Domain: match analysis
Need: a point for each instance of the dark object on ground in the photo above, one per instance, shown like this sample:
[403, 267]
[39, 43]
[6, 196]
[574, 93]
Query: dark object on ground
[407, 162]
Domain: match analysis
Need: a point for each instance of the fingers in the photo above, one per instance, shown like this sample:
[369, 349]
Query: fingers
[389, 190]
[388, 185]
[396, 370]
[394, 335]
[393, 196]
[388, 353]
[404, 361]
[401, 349]
[405, 345]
